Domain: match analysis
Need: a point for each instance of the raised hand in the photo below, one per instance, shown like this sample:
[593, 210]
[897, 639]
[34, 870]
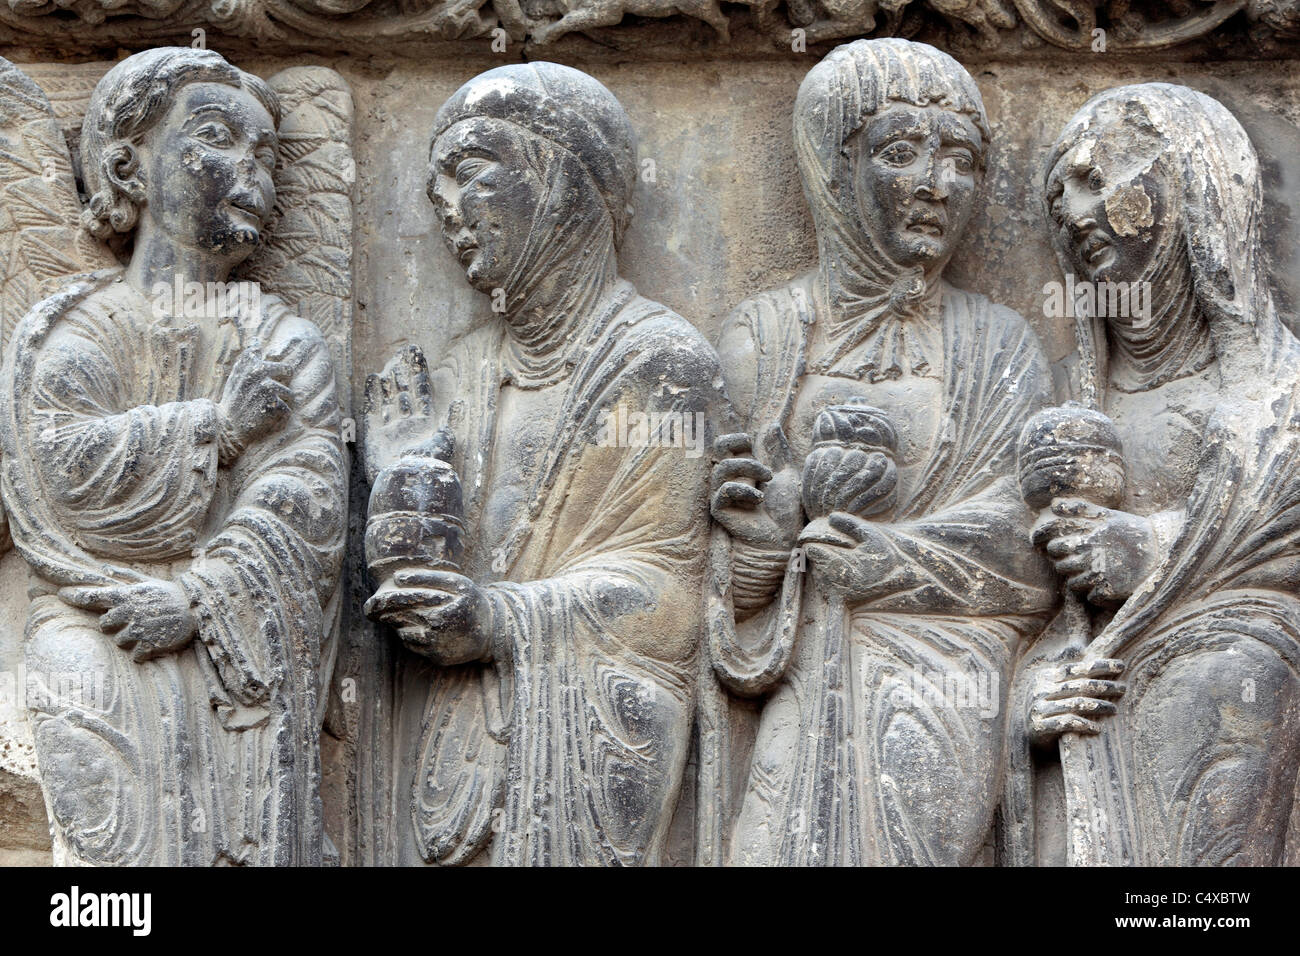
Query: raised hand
[256, 398]
[398, 411]
[757, 505]
[149, 619]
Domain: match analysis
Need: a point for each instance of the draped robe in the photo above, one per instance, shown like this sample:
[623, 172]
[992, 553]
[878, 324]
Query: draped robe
[862, 757]
[568, 746]
[112, 476]
[1211, 641]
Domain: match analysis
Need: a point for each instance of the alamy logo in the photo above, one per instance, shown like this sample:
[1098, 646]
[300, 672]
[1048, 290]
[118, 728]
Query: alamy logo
[205, 300]
[74, 909]
[620, 428]
[1106, 300]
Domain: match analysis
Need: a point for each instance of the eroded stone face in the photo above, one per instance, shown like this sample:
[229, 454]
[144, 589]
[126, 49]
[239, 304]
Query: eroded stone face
[631, 599]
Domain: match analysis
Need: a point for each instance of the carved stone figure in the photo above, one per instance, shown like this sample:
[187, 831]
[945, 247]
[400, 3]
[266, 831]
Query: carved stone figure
[880, 581]
[174, 472]
[1095, 26]
[1191, 574]
[544, 548]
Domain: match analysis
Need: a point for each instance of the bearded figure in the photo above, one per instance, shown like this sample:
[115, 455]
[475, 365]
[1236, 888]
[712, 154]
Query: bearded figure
[176, 481]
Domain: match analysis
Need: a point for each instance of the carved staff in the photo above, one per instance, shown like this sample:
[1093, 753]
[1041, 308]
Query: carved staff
[1073, 451]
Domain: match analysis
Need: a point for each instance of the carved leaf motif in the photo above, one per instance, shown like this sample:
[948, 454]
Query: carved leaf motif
[41, 240]
[307, 256]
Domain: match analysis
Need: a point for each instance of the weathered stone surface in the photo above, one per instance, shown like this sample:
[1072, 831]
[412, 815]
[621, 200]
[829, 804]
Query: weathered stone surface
[720, 219]
[174, 471]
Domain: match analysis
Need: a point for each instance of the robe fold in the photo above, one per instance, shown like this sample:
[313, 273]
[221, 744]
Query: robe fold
[861, 745]
[568, 746]
[1212, 639]
[112, 475]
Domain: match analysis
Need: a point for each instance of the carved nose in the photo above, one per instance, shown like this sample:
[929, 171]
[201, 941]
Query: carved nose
[1081, 227]
[932, 186]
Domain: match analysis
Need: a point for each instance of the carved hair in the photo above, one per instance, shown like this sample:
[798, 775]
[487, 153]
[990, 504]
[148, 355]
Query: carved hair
[127, 103]
[857, 80]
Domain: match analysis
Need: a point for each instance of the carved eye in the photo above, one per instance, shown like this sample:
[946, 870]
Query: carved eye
[1095, 181]
[898, 154]
[963, 162]
[266, 156]
[467, 169]
[215, 134]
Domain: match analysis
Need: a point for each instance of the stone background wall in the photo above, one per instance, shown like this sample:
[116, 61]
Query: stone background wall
[719, 215]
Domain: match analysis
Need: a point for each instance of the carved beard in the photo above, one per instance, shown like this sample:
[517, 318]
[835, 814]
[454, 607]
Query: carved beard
[567, 262]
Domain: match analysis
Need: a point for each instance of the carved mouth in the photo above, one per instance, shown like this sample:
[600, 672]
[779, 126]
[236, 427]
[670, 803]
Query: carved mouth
[1096, 251]
[249, 209]
[466, 249]
[927, 227]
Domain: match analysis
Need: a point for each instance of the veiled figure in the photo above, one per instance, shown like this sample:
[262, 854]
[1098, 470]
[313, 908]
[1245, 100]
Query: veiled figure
[560, 607]
[886, 404]
[175, 479]
[1194, 578]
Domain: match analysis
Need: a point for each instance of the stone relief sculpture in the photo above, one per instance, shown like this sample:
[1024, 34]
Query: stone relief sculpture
[173, 466]
[983, 25]
[544, 559]
[878, 584]
[1177, 706]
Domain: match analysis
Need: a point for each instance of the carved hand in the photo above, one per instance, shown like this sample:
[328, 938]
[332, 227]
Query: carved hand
[1069, 698]
[847, 553]
[150, 619]
[256, 398]
[439, 614]
[398, 410]
[1103, 554]
[757, 505]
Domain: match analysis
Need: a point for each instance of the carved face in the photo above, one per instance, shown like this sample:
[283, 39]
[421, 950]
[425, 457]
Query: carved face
[487, 196]
[1108, 198]
[917, 172]
[207, 170]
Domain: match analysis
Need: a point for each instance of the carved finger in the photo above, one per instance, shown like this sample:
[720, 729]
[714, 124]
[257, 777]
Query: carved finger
[1101, 667]
[93, 598]
[403, 599]
[1086, 687]
[736, 494]
[116, 618]
[776, 447]
[730, 469]
[1064, 546]
[278, 371]
[427, 578]
[1073, 564]
[856, 528]
[127, 637]
[1051, 526]
[1084, 581]
[1083, 706]
[732, 445]
[1078, 508]
[1065, 724]
[421, 386]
